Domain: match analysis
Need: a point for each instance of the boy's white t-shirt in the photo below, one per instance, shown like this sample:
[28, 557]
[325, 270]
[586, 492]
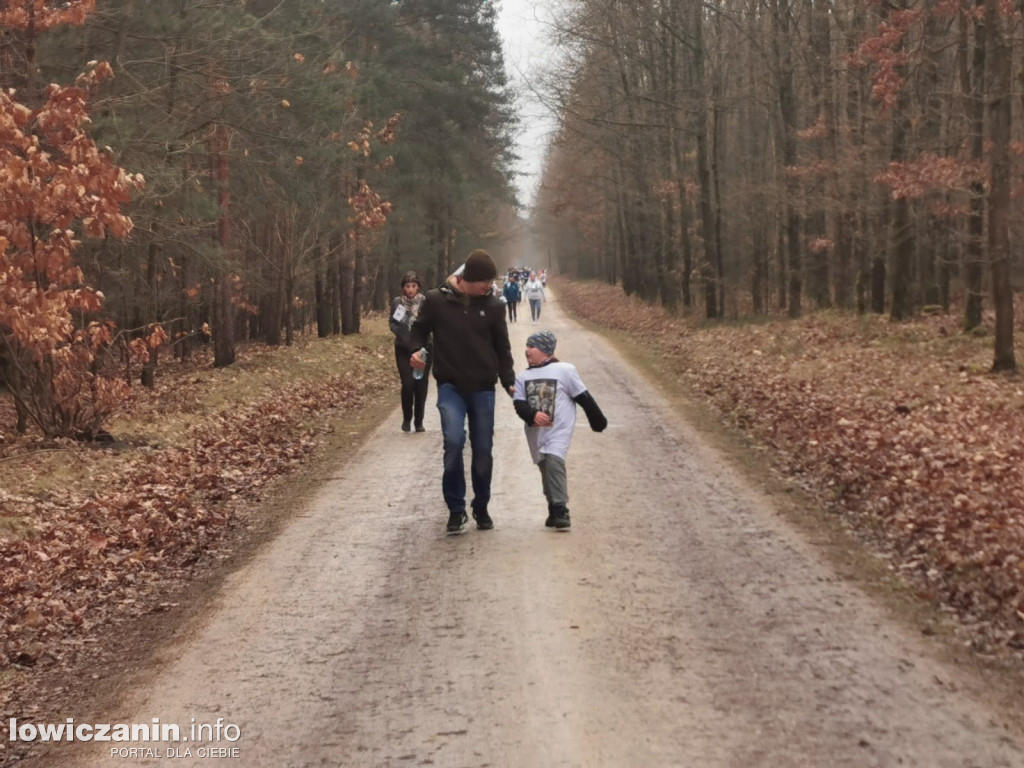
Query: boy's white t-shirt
[550, 388]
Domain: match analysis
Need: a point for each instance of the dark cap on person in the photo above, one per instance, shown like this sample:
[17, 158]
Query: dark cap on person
[411, 277]
[479, 267]
[545, 341]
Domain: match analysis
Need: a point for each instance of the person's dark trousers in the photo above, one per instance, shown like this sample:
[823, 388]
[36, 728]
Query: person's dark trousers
[535, 309]
[414, 391]
[512, 305]
[456, 407]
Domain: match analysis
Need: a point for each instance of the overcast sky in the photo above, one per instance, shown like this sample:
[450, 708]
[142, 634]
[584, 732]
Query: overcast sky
[523, 31]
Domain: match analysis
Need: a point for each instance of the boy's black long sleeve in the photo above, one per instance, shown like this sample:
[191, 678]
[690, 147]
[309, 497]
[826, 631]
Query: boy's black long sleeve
[524, 411]
[586, 401]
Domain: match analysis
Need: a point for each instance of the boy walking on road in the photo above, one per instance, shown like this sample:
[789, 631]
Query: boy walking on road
[545, 398]
[471, 353]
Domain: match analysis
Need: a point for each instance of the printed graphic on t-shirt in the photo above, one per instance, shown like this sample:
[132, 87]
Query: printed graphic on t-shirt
[540, 394]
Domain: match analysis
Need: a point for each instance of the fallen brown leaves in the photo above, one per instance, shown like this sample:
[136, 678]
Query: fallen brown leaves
[81, 555]
[900, 427]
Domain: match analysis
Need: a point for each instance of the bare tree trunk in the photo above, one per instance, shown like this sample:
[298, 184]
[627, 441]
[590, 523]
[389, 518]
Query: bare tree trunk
[931, 229]
[708, 227]
[783, 43]
[288, 282]
[781, 266]
[626, 259]
[442, 249]
[148, 377]
[902, 227]
[999, 77]
[320, 291]
[673, 236]
[972, 79]
[289, 311]
[358, 281]
[759, 277]
[334, 283]
[819, 214]
[878, 261]
[224, 333]
[716, 187]
[280, 274]
[840, 125]
[346, 284]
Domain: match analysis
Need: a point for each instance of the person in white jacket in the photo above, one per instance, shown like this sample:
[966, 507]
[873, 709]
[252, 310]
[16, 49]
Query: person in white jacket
[533, 291]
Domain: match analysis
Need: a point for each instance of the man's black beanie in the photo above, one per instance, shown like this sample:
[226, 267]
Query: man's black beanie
[479, 267]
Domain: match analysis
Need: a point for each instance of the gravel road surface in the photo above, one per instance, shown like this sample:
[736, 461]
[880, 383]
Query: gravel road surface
[681, 622]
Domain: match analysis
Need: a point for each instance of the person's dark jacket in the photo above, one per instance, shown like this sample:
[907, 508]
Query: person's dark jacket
[511, 292]
[470, 339]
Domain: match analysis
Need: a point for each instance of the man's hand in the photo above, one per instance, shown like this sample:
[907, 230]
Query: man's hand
[416, 361]
[541, 420]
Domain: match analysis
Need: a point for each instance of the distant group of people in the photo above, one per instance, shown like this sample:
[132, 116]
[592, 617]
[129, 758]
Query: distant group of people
[520, 283]
[459, 329]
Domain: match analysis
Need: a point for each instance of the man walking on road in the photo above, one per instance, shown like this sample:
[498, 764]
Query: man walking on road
[471, 353]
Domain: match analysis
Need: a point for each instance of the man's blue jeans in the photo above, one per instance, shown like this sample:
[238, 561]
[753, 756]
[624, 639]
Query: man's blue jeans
[455, 406]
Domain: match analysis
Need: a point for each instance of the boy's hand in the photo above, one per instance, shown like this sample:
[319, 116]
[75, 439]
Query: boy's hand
[541, 420]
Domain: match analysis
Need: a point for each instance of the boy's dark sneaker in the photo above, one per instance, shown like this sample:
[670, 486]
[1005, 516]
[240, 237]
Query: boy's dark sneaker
[457, 521]
[406, 425]
[483, 520]
[558, 517]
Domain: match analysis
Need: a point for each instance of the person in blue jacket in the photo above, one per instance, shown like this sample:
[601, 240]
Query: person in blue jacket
[512, 298]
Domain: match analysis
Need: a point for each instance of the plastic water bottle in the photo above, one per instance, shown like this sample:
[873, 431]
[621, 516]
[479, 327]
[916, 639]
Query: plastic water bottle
[417, 373]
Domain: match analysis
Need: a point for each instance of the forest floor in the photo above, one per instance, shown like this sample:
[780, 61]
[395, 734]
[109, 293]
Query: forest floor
[898, 431]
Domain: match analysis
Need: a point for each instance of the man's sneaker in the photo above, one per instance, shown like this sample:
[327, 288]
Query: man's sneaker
[558, 517]
[483, 520]
[457, 521]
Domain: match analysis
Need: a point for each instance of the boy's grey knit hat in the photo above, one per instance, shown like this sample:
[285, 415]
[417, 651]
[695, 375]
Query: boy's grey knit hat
[544, 341]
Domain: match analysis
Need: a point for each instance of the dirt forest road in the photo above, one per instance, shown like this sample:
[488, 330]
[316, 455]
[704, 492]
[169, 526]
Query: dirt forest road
[681, 622]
